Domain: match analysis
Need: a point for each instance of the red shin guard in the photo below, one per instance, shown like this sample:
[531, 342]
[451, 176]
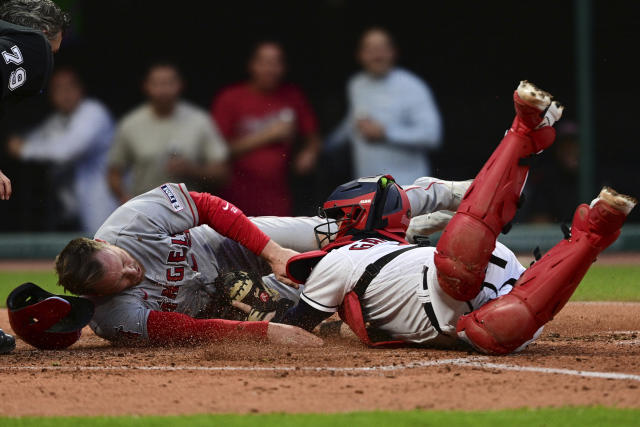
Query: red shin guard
[504, 324]
[465, 247]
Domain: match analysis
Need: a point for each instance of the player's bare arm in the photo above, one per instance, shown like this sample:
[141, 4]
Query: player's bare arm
[278, 257]
[227, 219]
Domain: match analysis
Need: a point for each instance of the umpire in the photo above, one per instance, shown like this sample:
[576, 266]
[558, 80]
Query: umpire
[30, 32]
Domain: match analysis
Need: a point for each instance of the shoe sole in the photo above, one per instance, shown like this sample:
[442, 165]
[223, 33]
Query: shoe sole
[533, 96]
[620, 202]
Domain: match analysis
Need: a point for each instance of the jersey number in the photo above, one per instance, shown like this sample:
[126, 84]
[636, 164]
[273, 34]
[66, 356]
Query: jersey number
[365, 244]
[19, 76]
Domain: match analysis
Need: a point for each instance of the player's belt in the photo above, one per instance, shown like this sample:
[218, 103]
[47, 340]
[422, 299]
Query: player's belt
[428, 307]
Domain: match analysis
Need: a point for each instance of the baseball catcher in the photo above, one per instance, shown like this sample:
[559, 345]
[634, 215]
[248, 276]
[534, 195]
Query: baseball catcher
[468, 288]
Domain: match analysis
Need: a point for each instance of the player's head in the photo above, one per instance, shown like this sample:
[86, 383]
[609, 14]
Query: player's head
[91, 267]
[65, 90]
[163, 86]
[376, 51]
[371, 205]
[267, 65]
[43, 15]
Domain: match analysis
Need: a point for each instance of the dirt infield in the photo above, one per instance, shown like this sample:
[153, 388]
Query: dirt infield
[589, 355]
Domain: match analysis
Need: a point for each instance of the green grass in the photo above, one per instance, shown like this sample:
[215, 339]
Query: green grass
[602, 283]
[610, 283]
[9, 280]
[583, 417]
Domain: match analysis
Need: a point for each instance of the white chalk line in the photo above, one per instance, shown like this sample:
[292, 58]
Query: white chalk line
[561, 371]
[628, 342]
[472, 362]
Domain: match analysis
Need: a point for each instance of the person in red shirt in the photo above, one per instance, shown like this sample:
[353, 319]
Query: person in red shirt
[261, 119]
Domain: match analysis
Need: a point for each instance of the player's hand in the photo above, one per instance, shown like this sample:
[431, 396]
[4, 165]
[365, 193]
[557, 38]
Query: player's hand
[371, 129]
[277, 257]
[5, 187]
[280, 334]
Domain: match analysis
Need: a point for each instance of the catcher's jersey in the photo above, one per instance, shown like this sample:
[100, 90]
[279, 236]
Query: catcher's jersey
[26, 63]
[160, 230]
[394, 301]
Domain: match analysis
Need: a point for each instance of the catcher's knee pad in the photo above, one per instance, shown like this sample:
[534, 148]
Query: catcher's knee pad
[462, 255]
[499, 327]
[504, 324]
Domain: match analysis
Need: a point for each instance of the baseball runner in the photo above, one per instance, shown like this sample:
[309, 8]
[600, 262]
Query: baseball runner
[151, 268]
[30, 32]
[468, 288]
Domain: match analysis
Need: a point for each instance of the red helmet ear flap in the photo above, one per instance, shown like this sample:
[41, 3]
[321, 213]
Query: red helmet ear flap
[45, 320]
[40, 317]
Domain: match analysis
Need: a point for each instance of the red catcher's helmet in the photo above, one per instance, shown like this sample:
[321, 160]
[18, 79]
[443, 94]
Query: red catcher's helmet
[365, 207]
[45, 320]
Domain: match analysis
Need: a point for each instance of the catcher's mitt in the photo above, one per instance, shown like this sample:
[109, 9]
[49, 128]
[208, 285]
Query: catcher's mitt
[249, 289]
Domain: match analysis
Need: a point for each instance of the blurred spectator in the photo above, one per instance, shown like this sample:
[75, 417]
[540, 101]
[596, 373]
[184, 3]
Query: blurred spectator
[552, 189]
[261, 119]
[76, 138]
[166, 139]
[392, 119]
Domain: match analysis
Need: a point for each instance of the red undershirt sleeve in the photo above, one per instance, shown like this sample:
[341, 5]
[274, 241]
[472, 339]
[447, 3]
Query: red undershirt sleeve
[177, 328]
[229, 221]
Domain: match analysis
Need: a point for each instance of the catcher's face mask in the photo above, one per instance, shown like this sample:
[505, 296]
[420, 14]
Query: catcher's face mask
[364, 205]
[45, 320]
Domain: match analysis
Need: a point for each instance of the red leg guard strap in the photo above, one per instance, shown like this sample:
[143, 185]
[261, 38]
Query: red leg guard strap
[504, 324]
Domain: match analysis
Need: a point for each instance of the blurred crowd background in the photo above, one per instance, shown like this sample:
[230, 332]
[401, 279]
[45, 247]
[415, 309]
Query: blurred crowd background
[272, 104]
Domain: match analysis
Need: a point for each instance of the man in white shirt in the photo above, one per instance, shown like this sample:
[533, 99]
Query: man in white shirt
[393, 118]
[77, 136]
[166, 139]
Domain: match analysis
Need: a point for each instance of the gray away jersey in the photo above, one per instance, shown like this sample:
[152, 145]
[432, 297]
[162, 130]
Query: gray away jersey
[160, 230]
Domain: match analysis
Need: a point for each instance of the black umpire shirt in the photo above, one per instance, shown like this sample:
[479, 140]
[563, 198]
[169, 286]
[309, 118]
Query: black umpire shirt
[26, 63]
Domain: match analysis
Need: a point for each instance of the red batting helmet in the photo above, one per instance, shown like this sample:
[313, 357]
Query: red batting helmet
[371, 205]
[45, 320]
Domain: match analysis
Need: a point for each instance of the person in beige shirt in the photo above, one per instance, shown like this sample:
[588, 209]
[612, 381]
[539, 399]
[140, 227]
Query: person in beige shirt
[166, 140]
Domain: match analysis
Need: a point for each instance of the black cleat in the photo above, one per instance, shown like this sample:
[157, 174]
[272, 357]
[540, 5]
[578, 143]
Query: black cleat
[7, 343]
